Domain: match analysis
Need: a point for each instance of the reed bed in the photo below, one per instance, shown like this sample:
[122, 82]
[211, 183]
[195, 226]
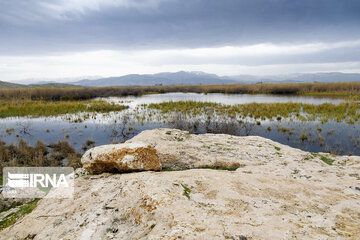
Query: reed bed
[38, 108]
[347, 111]
[343, 89]
[24, 155]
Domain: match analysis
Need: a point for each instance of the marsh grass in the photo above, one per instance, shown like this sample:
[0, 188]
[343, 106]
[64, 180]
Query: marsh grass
[348, 111]
[349, 90]
[48, 108]
[40, 155]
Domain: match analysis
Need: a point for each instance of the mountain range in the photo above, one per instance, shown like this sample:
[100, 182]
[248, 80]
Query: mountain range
[300, 78]
[165, 78]
[193, 78]
[196, 78]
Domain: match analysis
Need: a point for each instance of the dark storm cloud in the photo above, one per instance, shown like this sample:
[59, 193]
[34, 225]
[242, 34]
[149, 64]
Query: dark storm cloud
[35, 26]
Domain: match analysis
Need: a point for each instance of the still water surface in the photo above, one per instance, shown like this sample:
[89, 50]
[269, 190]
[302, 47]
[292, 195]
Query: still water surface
[227, 99]
[341, 138]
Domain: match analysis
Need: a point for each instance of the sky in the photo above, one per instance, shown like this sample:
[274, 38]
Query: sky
[61, 39]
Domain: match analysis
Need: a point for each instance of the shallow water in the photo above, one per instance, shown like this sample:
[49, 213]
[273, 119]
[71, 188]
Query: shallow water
[341, 138]
[227, 99]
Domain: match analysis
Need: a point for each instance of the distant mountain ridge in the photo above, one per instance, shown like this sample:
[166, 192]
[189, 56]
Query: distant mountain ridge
[193, 78]
[165, 78]
[300, 78]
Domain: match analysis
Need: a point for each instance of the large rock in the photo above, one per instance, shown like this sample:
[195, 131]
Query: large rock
[127, 157]
[277, 192]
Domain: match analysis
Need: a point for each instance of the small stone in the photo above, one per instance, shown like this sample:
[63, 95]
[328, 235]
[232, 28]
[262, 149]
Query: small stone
[112, 230]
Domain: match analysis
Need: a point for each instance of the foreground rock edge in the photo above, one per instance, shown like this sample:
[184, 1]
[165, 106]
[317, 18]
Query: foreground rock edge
[291, 194]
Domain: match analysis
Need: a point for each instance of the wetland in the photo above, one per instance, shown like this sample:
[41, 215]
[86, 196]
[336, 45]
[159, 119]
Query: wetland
[312, 123]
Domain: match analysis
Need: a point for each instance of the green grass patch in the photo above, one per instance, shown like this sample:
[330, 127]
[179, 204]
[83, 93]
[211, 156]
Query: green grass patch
[54, 108]
[327, 160]
[323, 158]
[24, 209]
[186, 191]
[314, 154]
[10, 207]
[279, 154]
[173, 170]
[221, 168]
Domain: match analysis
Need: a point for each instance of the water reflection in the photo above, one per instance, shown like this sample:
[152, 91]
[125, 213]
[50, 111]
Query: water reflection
[340, 138]
[227, 99]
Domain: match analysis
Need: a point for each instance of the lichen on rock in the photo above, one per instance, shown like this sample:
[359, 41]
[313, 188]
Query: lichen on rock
[127, 157]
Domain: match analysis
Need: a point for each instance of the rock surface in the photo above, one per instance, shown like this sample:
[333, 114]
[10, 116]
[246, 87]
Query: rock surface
[6, 203]
[276, 192]
[126, 157]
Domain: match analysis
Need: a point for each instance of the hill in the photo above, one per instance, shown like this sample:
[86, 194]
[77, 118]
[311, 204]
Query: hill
[45, 85]
[196, 78]
[299, 78]
[192, 78]
[11, 85]
[53, 85]
[166, 78]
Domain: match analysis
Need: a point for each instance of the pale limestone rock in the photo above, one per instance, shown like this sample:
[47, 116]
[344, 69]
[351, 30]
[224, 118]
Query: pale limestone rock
[21, 196]
[127, 157]
[277, 192]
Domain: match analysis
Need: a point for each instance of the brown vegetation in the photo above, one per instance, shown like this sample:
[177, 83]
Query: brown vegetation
[23, 155]
[56, 94]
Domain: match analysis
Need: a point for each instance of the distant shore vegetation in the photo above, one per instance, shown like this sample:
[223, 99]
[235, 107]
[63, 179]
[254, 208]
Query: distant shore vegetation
[40, 108]
[347, 111]
[350, 90]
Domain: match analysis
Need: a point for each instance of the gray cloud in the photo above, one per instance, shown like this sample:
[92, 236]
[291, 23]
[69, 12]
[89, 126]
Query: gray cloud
[45, 27]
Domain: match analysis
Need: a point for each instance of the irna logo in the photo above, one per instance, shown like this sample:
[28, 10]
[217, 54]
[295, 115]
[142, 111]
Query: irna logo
[36, 180]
